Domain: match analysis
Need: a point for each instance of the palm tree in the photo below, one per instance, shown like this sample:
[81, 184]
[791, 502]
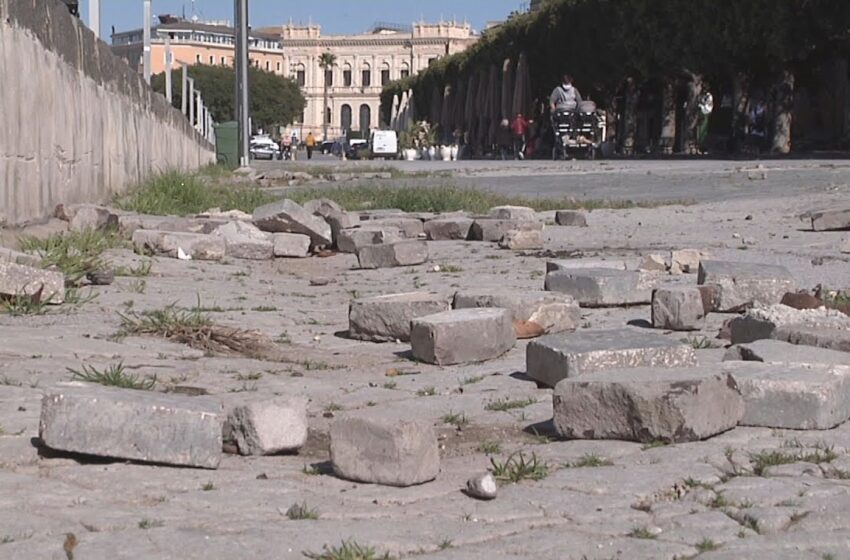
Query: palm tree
[326, 61]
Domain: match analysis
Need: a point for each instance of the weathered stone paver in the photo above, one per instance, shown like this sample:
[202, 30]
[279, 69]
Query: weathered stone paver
[387, 318]
[462, 335]
[744, 284]
[600, 287]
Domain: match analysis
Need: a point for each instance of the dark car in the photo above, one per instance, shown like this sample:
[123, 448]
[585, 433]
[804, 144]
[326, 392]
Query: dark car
[327, 147]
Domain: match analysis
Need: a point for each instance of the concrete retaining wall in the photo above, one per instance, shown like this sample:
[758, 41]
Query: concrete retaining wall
[76, 123]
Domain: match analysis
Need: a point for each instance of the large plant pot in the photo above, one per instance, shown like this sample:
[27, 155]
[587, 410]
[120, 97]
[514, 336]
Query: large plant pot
[446, 153]
[454, 150]
[410, 154]
[432, 153]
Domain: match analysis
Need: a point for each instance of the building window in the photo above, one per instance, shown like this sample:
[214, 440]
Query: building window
[278, 67]
[432, 61]
[224, 61]
[367, 78]
[197, 59]
[328, 115]
[405, 73]
[345, 118]
[301, 78]
[346, 77]
[365, 118]
[329, 78]
[212, 60]
[385, 77]
[268, 66]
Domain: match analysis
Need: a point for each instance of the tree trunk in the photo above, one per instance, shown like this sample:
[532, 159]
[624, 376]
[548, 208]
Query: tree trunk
[692, 113]
[740, 100]
[783, 106]
[668, 117]
[630, 117]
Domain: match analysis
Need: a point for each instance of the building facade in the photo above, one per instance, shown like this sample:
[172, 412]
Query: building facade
[364, 62]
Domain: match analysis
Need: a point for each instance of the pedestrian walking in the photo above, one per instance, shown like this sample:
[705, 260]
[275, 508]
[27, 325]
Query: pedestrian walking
[519, 130]
[310, 142]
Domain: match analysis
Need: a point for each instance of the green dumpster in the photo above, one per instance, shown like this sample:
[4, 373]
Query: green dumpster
[227, 144]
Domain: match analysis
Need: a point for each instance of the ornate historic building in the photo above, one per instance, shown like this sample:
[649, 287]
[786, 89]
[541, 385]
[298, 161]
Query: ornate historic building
[364, 64]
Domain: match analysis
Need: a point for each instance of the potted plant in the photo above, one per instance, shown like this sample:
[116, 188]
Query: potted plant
[408, 146]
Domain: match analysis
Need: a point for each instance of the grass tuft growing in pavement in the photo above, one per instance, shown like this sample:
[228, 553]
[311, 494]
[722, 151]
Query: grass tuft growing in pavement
[516, 468]
[22, 304]
[503, 405]
[75, 254]
[765, 459]
[642, 533]
[300, 512]
[348, 550]
[707, 545]
[176, 193]
[113, 376]
[450, 198]
[591, 460]
[455, 419]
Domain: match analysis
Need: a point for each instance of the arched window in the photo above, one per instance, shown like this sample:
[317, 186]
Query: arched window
[345, 118]
[366, 75]
[300, 75]
[347, 79]
[385, 73]
[328, 115]
[405, 70]
[365, 118]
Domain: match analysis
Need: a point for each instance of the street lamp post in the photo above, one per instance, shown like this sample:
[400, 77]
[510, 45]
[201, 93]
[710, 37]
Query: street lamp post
[241, 58]
[146, 55]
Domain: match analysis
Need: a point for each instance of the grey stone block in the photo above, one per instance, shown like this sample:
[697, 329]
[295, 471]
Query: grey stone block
[522, 240]
[380, 451]
[323, 207]
[89, 217]
[290, 245]
[777, 351]
[352, 240]
[762, 322]
[648, 404]
[135, 425]
[447, 229]
[743, 285]
[553, 358]
[197, 245]
[831, 339]
[382, 213]
[410, 228]
[189, 225]
[493, 229]
[678, 309]
[462, 336]
[340, 221]
[268, 426]
[243, 240]
[792, 396]
[570, 218]
[402, 253]
[554, 312]
[685, 261]
[831, 220]
[387, 318]
[16, 257]
[583, 264]
[22, 280]
[520, 213]
[600, 287]
[288, 217]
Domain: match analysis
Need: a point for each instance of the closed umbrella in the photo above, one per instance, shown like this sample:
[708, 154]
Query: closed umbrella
[435, 106]
[481, 124]
[446, 115]
[394, 112]
[522, 87]
[507, 88]
[401, 122]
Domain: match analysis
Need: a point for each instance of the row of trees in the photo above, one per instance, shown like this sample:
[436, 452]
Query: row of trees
[615, 48]
[275, 100]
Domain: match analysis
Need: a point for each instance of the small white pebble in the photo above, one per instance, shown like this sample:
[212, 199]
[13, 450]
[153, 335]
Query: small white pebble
[436, 268]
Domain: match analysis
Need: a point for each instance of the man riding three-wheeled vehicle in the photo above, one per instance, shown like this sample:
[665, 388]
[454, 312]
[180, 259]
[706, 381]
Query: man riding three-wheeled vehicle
[576, 125]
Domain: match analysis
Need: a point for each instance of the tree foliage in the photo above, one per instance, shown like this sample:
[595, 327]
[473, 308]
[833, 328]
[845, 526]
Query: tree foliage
[275, 100]
[604, 42]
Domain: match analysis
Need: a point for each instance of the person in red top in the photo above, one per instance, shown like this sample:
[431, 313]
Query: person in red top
[519, 130]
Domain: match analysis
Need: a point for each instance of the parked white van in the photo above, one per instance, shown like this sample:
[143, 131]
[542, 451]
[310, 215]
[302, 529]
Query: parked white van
[384, 144]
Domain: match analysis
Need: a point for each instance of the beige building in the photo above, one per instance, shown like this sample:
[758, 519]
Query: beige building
[364, 64]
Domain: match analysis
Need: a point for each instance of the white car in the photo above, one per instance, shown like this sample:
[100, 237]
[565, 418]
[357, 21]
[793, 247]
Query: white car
[263, 147]
[384, 144]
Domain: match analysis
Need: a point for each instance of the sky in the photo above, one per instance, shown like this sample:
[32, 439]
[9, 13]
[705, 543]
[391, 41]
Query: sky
[335, 16]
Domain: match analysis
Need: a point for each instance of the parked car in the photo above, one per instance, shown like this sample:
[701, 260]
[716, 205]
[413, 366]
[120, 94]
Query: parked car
[327, 147]
[263, 147]
[357, 148]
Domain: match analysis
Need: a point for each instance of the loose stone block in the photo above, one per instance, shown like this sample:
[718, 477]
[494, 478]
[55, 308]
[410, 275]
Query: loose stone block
[521, 213]
[403, 253]
[323, 207]
[762, 322]
[653, 263]
[290, 245]
[743, 285]
[389, 452]
[288, 217]
[447, 229]
[831, 220]
[189, 225]
[678, 309]
[197, 245]
[647, 405]
[793, 396]
[245, 241]
[600, 287]
[685, 261]
[462, 336]
[268, 426]
[845, 247]
[832, 339]
[777, 351]
[381, 213]
[22, 280]
[352, 240]
[387, 318]
[16, 257]
[493, 229]
[128, 223]
[340, 221]
[522, 240]
[135, 425]
[553, 358]
[582, 264]
[553, 312]
[410, 228]
[570, 218]
[89, 217]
